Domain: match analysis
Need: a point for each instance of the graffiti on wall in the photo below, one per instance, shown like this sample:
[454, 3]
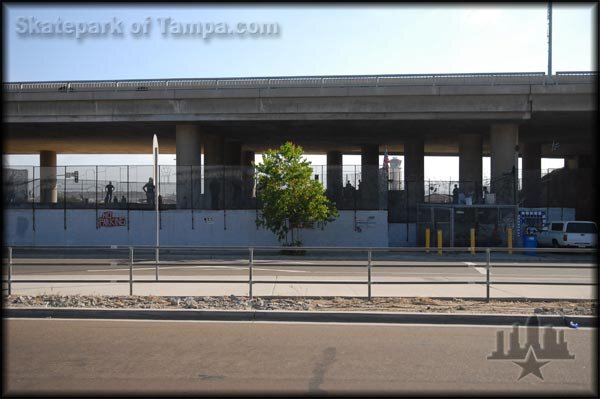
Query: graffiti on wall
[108, 220]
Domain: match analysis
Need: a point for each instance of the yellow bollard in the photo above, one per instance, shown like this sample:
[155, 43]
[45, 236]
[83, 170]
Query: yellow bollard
[510, 238]
[472, 241]
[439, 241]
[427, 239]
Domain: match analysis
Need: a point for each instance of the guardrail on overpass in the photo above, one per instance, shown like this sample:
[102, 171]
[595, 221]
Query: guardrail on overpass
[502, 78]
[250, 281]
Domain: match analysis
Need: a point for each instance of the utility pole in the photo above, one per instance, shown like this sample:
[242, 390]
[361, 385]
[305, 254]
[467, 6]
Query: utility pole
[549, 40]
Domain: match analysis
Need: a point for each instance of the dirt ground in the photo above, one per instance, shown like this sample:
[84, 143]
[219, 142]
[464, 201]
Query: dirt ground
[387, 304]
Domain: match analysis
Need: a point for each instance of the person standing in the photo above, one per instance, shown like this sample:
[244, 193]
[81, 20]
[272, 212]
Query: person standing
[455, 194]
[149, 190]
[109, 188]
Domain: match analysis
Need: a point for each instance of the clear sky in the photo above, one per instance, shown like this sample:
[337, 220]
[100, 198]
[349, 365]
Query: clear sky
[312, 40]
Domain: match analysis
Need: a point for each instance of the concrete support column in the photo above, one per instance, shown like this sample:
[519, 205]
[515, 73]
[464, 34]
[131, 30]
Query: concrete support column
[532, 174]
[414, 175]
[214, 160]
[48, 192]
[369, 181]
[233, 153]
[232, 190]
[188, 149]
[214, 150]
[504, 140]
[335, 175]
[470, 171]
[248, 174]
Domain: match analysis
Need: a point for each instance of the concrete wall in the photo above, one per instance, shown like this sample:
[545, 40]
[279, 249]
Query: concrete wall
[217, 228]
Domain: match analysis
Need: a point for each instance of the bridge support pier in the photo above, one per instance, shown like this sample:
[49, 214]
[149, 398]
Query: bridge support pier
[504, 140]
[188, 160]
[214, 159]
[248, 175]
[369, 181]
[532, 174]
[470, 165]
[414, 175]
[232, 160]
[48, 191]
[335, 175]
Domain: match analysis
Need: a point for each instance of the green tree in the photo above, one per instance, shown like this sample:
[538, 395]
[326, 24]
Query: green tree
[291, 199]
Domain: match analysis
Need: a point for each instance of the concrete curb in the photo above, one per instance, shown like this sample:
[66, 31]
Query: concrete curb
[295, 316]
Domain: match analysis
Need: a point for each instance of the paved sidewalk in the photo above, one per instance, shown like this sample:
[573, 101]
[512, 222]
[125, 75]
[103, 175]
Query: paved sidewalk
[308, 290]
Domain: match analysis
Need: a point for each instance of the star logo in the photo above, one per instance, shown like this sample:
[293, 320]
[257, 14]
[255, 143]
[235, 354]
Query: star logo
[551, 346]
[531, 365]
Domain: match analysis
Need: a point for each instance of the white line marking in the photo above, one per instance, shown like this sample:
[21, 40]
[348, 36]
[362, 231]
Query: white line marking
[365, 324]
[479, 269]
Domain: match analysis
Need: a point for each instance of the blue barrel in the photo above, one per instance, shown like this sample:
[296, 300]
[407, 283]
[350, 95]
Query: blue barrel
[530, 241]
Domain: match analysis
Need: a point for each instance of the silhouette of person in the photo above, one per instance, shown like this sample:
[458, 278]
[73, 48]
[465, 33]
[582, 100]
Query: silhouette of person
[109, 188]
[149, 190]
[455, 194]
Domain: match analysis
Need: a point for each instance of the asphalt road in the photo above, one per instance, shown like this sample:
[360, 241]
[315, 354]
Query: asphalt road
[53, 356]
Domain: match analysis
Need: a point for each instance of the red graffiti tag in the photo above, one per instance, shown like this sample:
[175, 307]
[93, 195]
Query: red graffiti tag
[108, 220]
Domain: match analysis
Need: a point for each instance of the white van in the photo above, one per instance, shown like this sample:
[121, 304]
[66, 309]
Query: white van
[569, 234]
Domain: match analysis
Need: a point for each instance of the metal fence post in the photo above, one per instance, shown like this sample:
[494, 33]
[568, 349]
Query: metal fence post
[130, 271]
[487, 275]
[96, 193]
[369, 273]
[156, 261]
[10, 262]
[250, 272]
[65, 200]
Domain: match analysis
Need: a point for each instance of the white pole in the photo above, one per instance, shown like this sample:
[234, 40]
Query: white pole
[155, 151]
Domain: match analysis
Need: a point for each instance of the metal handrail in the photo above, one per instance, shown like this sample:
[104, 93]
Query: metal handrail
[577, 73]
[251, 262]
[268, 82]
[280, 248]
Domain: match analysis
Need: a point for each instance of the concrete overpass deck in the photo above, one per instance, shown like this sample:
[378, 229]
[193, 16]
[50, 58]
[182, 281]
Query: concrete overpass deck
[316, 112]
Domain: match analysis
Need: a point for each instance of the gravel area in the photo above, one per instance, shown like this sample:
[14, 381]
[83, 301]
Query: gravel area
[388, 304]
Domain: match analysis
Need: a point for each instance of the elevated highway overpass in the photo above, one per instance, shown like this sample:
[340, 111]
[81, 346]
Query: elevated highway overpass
[501, 115]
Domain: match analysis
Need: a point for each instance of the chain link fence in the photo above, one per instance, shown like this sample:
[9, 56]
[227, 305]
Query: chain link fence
[351, 187]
